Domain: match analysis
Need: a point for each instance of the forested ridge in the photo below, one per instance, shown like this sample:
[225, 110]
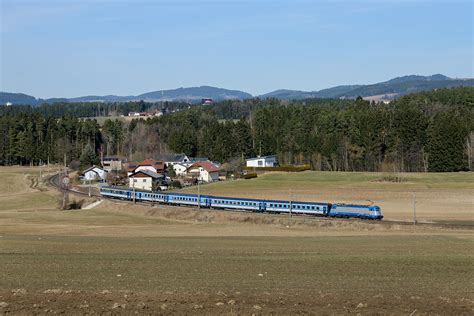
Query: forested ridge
[427, 131]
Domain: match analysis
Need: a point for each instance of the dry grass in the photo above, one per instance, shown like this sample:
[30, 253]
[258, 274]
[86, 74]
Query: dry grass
[439, 197]
[124, 258]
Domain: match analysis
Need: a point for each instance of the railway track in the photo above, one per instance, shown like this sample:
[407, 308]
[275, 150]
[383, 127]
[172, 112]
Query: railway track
[55, 181]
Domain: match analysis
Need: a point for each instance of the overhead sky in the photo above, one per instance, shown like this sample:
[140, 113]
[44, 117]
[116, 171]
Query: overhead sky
[54, 48]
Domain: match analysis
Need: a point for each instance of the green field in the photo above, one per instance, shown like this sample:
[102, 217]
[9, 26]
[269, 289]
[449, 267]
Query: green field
[120, 258]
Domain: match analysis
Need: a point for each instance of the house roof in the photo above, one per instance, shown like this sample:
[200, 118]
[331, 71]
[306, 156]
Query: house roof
[207, 165]
[195, 159]
[149, 173]
[172, 157]
[92, 169]
[111, 159]
[157, 164]
[261, 157]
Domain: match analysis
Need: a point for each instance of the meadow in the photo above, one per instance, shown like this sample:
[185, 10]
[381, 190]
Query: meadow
[439, 197]
[124, 258]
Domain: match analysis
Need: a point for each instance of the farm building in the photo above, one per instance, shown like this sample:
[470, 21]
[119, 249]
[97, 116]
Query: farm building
[204, 171]
[94, 173]
[263, 161]
[146, 180]
[156, 166]
[111, 164]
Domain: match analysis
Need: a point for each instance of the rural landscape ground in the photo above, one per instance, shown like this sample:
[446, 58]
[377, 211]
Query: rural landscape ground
[120, 258]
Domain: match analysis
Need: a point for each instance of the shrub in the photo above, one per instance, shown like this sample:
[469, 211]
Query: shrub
[249, 175]
[286, 168]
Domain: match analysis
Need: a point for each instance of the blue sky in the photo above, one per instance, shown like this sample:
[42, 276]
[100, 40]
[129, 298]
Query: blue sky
[55, 48]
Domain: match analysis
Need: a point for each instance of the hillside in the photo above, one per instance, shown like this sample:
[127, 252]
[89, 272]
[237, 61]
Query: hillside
[17, 98]
[192, 95]
[390, 89]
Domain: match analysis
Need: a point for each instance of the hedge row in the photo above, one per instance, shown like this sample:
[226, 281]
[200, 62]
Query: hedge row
[287, 168]
[249, 175]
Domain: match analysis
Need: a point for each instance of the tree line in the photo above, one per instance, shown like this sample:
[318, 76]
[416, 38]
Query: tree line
[428, 131]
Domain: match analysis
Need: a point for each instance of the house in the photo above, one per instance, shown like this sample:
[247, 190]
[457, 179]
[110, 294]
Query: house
[180, 169]
[172, 159]
[94, 173]
[146, 180]
[111, 164]
[204, 171]
[206, 101]
[156, 166]
[263, 161]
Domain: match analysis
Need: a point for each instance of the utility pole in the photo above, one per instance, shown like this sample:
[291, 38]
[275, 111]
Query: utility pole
[133, 185]
[199, 195]
[414, 208]
[291, 205]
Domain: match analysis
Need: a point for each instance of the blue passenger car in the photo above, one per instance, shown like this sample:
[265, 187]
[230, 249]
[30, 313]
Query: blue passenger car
[253, 205]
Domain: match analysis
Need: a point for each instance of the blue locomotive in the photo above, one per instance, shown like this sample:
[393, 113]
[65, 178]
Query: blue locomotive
[242, 204]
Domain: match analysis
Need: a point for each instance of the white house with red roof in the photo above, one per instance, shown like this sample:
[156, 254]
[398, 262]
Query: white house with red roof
[204, 171]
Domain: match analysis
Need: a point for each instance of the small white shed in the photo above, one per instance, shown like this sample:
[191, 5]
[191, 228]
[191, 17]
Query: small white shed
[94, 173]
[263, 161]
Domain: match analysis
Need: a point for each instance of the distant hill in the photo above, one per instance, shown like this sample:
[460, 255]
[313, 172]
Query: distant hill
[385, 90]
[288, 94]
[379, 91]
[405, 85]
[192, 95]
[17, 98]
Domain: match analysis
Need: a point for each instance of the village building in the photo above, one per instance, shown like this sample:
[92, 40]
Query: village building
[156, 166]
[263, 161]
[94, 173]
[146, 180]
[204, 171]
[180, 169]
[111, 164]
[171, 159]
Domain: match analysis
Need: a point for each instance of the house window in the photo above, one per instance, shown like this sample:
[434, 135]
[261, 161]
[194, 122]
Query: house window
[135, 180]
[144, 180]
[260, 162]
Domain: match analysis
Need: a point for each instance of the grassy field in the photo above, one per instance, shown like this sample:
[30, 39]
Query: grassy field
[444, 197]
[119, 258]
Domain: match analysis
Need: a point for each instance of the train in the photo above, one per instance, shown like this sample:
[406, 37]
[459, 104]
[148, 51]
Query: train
[246, 204]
